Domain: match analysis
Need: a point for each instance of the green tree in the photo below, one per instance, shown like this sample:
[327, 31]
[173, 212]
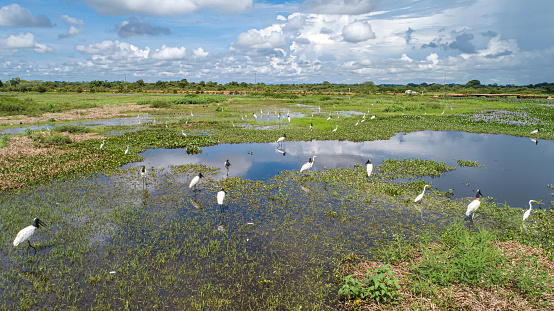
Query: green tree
[474, 83]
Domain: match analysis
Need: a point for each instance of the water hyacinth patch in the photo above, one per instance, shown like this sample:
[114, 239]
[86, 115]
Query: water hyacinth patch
[503, 117]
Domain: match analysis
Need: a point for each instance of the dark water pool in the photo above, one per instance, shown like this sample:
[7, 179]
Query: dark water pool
[515, 170]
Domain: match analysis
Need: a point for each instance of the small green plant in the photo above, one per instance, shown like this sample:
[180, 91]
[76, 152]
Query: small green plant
[394, 108]
[380, 285]
[468, 163]
[4, 141]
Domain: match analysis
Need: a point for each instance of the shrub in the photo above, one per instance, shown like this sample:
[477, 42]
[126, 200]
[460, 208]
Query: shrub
[73, 129]
[394, 108]
[380, 285]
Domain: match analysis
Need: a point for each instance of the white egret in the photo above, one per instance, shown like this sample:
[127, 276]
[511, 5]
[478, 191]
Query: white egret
[528, 212]
[281, 139]
[233, 124]
[311, 127]
[369, 168]
[535, 131]
[308, 165]
[358, 121]
[221, 196]
[442, 112]
[420, 196]
[165, 124]
[183, 133]
[26, 233]
[474, 205]
[336, 128]
[102, 145]
[127, 150]
[195, 180]
[288, 117]
[191, 114]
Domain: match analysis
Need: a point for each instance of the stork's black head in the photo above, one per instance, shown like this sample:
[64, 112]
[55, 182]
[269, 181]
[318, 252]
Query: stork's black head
[143, 169]
[310, 160]
[368, 162]
[284, 135]
[479, 194]
[200, 175]
[37, 223]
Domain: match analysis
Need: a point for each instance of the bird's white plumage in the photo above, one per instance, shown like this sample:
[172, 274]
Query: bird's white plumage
[369, 168]
[220, 197]
[528, 212]
[420, 196]
[282, 138]
[24, 234]
[308, 165]
[336, 128]
[372, 117]
[194, 181]
[473, 206]
[535, 131]
[127, 150]
[102, 145]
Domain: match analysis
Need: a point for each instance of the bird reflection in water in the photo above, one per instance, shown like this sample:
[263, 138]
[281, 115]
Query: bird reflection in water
[282, 151]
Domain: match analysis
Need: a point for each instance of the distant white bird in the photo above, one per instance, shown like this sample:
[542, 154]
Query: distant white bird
[474, 205]
[183, 132]
[369, 168]
[358, 121]
[165, 124]
[308, 165]
[281, 139]
[336, 128]
[143, 174]
[255, 116]
[191, 114]
[311, 127]
[363, 120]
[288, 117]
[420, 196]
[535, 131]
[221, 196]
[528, 212]
[329, 118]
[261, 111]
[442, 112]
[127, 150]
[372, 117]
[26, 233]
[195, 180]
[233, 124]
[102, 145]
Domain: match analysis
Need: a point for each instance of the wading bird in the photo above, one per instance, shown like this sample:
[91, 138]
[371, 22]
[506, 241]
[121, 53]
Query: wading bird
[358, 121]
[127, 150]
[329, 118]
[474, 205]
[254, 115]
[288, 117]
[311, 127]
[227, 165]
[369, 168]
[336, 128]
[195, 180]
[535, 131]
[102, 145]
[143, 174]
[26, 233]
[221, 196]
[420, 196]
[281, 139]
[372, 117]
[308, 165]
[183, 133]
[528, 212]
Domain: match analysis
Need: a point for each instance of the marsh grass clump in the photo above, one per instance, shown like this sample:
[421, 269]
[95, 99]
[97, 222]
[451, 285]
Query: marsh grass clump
[4, 141]
[380, 285]
[41, 140]
[413, 168]
[73, 129]
[469, 163]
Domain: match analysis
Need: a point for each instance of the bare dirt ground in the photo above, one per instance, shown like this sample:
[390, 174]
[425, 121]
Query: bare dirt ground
[106, 112]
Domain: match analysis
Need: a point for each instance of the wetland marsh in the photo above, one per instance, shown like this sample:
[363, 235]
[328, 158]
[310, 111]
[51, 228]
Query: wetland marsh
[282, 240]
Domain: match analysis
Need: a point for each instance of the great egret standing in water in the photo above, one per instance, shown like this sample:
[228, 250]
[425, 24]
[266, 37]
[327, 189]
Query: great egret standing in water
[420, 196]
[127, 150]
[528, 212]
[26, 233]
[369, 168]
[474, 205]
[336, 128]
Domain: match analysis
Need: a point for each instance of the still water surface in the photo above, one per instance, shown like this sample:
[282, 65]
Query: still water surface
[515, 168]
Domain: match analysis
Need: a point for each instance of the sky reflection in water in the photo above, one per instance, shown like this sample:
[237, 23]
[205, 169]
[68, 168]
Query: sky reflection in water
[515, 168]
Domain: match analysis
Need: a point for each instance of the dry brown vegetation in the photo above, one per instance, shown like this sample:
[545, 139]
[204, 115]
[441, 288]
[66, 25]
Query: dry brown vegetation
[459, 296]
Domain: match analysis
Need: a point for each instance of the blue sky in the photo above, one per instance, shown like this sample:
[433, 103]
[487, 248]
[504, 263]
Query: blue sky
[310, 41]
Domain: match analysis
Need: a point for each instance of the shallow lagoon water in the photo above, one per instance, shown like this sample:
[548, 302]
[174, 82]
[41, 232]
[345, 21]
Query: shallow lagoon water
[127, 121]
[515, 168]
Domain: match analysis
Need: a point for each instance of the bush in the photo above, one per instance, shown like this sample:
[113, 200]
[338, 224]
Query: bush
[394, 108]
[380, 285]
[73, 129]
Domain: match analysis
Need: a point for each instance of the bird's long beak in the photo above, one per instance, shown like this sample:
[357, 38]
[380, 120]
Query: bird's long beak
[40, 222]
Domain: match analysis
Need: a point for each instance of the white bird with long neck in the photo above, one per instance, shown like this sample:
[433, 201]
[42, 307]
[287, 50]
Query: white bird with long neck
[26, 233]
[221, 196]
[183, 133]
[474, 205]
[308, 165]
[420, 196]
[102, 145]
[127, 150]
[195, 180]
[288, 117]
[528, 212]
[336, 128]
[281, 139]
[369, 168]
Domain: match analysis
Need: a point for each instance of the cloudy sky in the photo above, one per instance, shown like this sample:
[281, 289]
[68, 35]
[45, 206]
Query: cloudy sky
[298, 41]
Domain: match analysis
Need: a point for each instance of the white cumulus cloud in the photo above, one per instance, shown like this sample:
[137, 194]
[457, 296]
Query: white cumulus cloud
[25, 41]
[340, 7]
[257, 39]
[76, 26]
[357, 31]
[165, 7]
[169, 53]
[14, 15]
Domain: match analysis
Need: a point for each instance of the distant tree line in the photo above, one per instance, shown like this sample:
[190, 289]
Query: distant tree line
[233, 87]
